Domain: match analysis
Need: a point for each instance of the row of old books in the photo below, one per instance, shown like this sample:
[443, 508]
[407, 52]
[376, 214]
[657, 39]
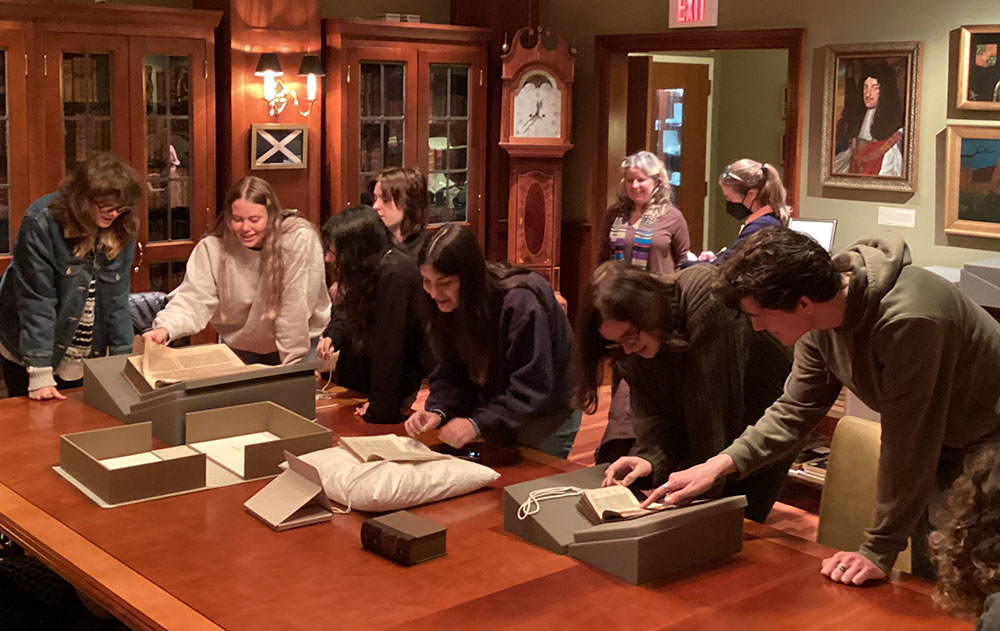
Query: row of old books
[80, 79]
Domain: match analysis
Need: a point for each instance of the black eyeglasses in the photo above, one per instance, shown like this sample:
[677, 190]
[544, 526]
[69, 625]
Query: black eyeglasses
[118, 210]
[629, 337]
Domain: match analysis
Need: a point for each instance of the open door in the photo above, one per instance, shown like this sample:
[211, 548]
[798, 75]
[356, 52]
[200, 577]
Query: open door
[668, 116]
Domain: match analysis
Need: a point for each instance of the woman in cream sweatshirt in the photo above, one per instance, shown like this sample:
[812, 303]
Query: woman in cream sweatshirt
[257, 277]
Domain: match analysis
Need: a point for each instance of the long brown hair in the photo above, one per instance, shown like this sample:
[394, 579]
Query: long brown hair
[966, 548]
[407, 189]
[279, 222]
[105, 178]
[618, 291]
[748, 175]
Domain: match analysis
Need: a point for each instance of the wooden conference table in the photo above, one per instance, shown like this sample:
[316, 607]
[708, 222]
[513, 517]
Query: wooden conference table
[199, 561]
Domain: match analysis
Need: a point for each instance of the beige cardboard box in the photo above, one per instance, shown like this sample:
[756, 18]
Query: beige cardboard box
[119, 464]
[251, 439]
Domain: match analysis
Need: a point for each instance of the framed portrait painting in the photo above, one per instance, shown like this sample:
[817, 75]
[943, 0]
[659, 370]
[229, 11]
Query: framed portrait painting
[972, 181]
[978, 68]
[870, 115]
[276, 146]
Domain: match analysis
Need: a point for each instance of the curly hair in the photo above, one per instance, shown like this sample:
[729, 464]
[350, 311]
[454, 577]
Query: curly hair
[776, 267]
[359, 240]
[966, 547]
[279, 222]
[106, 179]
[618, 291]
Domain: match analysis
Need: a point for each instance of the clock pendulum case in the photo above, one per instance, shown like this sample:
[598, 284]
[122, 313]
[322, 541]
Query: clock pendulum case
[535, 131]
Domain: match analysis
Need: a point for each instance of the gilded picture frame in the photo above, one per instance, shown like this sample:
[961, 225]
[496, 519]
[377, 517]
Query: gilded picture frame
[972, 180]
[277, 146]
[871, 122]
[978, 68]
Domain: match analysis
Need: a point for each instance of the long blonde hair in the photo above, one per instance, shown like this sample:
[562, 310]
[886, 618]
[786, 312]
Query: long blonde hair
[103, 177]
[748, 175]
[279, 222]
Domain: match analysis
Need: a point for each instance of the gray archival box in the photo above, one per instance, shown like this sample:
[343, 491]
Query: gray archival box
[638, 550]
[292, 387]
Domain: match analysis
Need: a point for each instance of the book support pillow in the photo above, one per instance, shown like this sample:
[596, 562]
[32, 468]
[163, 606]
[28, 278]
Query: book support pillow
[386, 486]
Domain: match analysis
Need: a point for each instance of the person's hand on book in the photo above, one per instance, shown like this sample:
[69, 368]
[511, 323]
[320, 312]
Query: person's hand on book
[850, 568]
[684, 486]
[420, 422]
[626, 470]
[157, 336]
[46, 392]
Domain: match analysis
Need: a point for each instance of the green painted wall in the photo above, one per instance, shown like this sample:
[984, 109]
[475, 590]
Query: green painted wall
[848, 21]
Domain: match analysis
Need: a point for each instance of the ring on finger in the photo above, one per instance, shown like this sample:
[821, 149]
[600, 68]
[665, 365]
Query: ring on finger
[841, 567]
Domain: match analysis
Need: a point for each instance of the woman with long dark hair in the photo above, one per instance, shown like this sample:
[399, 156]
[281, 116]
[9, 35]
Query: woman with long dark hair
[503, 348]
[64, 297]
[257, 277]
[697, 371]
[401, 200]
[375, 324]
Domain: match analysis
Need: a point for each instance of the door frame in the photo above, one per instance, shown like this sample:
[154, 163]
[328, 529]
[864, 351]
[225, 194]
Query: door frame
[613, 50]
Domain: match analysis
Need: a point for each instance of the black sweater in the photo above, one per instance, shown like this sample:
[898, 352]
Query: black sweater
[530, 373]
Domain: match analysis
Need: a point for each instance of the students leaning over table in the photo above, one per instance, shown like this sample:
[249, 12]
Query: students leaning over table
[904, 340]
[698, 373]
[257, 277]
[64, 297]
[503, 348]
[375, 323]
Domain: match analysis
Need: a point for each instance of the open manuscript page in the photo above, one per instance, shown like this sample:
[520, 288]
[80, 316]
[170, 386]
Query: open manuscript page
[387, 447]
[161, 365]
[614, 503]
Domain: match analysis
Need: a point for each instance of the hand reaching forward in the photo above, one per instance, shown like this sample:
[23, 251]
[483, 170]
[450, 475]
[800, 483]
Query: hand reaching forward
[46, 392]
[626, 470]
[684, 486]
[420, 422]
[157, 336]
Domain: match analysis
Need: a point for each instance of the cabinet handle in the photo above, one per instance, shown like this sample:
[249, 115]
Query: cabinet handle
[348, 73]
[205, 60]
[26, 64]
[138, 263]
[480, 77]
[45, 65]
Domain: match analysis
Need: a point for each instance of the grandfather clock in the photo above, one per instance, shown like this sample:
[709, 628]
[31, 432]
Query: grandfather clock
[535, 130]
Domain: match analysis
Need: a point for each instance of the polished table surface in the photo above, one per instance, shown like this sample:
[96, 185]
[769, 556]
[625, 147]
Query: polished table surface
[200, 561]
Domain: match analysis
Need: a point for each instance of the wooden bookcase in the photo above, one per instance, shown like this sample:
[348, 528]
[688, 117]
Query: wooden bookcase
[139, 81]
[405, 94]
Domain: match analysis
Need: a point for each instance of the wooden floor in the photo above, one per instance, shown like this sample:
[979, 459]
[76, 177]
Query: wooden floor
[796, 513]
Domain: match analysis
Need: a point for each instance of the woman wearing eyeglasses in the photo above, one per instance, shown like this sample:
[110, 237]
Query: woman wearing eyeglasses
[754, 196]
[503, 348]
[647, 231]
[64, 297]
[698, 373]
[257, 277]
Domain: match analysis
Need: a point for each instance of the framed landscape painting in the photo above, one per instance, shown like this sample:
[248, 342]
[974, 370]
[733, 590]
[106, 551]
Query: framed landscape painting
[978, 68]
[972, 181]
[870, 114]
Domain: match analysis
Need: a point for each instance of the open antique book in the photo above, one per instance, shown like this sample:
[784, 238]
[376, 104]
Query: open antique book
[387, 447]
[614, 503]
[161, 365]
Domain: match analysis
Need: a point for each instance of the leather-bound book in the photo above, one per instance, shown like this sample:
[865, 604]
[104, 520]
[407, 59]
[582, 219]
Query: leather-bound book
[403, 537]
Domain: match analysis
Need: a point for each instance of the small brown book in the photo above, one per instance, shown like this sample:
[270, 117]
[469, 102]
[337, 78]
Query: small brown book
[403, 537]
[614, 503]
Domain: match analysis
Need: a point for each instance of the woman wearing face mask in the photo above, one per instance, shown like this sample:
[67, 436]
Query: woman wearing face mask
[699, 373]
[643, 227]
[401, 201]
[647, 231]
[503, 348]
[755, 196]
[64, 297]
[257, 277]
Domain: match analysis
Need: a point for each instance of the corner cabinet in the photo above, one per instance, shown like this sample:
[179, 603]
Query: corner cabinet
[411, 95]
[137, 81]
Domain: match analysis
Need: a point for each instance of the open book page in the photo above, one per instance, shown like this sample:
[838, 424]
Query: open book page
[161, 365]
[387, 447]
[613, 503]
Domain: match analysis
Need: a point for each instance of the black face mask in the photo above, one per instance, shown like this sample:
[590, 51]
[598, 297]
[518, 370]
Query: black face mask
[737, 210]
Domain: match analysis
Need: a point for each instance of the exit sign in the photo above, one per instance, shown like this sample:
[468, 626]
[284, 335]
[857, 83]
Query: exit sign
[692, 13]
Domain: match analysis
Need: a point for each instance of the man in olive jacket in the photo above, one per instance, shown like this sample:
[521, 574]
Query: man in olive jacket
[904, 340]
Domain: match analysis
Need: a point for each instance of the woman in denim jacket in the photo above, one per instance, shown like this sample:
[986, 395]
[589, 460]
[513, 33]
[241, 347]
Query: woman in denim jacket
[64, 297]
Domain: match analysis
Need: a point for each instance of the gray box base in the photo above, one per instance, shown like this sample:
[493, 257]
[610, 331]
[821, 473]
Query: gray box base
[638, 550]
[104, 388]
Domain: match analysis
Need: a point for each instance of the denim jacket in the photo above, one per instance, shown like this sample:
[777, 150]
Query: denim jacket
[43, 291]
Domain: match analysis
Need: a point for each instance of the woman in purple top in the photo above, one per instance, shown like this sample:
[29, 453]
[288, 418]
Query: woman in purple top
[646, 230]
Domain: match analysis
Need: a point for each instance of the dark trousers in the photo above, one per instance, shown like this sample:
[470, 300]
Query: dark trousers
[16, 378]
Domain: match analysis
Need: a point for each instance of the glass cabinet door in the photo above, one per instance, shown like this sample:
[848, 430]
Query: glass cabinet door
[14, 187]
[448, 142]
[172, 153]
[668, 125]
[382, 108]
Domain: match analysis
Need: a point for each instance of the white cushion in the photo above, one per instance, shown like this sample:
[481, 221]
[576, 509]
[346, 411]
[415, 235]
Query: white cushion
[385, 486]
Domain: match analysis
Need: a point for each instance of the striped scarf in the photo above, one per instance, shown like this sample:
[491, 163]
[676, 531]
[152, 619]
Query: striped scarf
[71, 367]
[643, 240]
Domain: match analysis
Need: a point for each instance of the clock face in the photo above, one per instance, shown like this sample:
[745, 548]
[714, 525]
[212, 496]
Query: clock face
[537, 107]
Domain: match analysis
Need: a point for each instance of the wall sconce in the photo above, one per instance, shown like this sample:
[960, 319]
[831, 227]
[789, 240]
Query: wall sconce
[311, 68]
[277, 93]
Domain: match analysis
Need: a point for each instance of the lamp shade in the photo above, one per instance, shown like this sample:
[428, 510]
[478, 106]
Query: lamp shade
[268, 62]
[311, 64]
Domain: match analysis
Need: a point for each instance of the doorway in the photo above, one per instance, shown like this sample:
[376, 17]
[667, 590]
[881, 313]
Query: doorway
[628, 124]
